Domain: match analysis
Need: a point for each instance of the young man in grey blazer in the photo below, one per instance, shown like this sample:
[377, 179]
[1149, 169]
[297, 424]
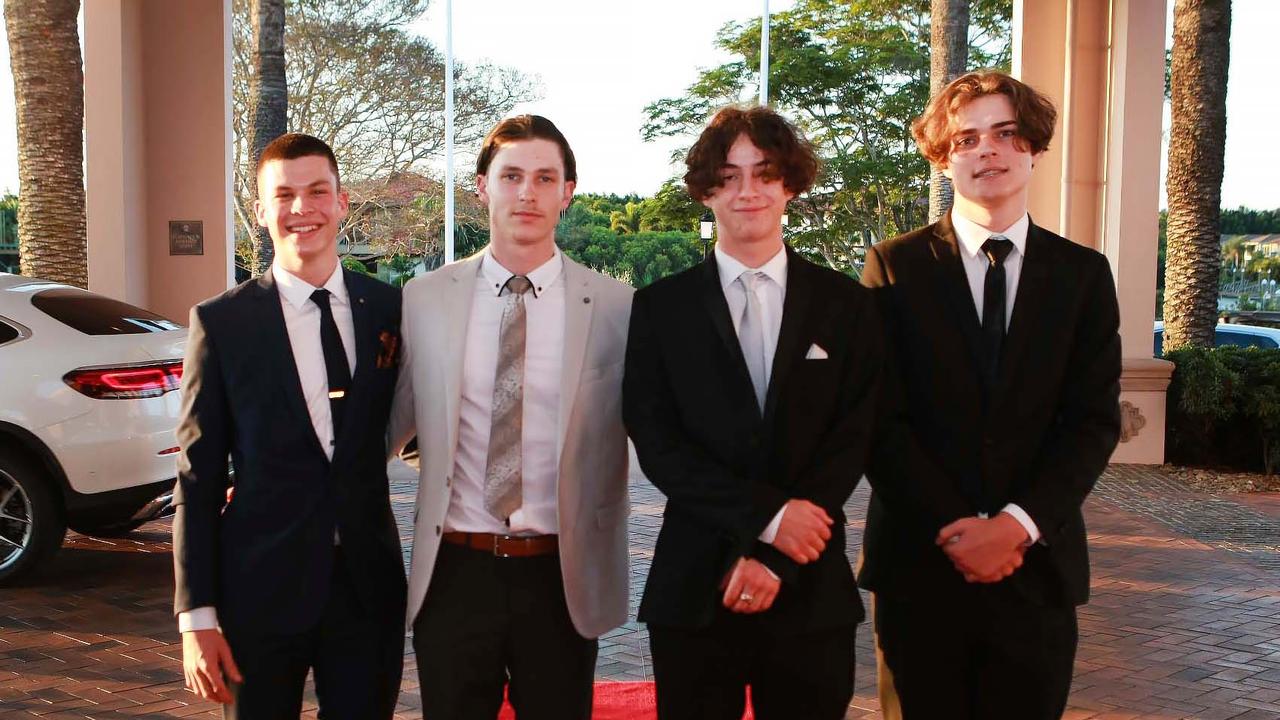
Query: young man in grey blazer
[512, 381]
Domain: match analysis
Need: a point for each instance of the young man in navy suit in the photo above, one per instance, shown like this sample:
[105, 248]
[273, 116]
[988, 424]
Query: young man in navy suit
[291, 376]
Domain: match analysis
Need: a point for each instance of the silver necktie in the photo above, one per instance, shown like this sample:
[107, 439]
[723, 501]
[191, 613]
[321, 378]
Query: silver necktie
[502, 472]
[751, 335]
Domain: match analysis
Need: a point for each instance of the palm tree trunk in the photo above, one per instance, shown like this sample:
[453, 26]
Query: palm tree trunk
[269, 101]
[48, 89]
[948, 55]
[1197, 139]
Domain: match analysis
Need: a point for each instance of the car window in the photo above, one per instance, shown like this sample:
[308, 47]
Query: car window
[7, 332]
[1240, 339]
[97, 315]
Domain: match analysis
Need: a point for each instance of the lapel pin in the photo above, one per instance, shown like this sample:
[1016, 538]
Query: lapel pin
[361, 301]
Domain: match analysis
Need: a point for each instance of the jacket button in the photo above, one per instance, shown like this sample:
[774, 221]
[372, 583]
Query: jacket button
[437, 530]
[448, 481]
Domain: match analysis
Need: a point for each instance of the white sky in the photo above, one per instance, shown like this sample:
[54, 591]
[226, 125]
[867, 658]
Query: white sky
[601, 62]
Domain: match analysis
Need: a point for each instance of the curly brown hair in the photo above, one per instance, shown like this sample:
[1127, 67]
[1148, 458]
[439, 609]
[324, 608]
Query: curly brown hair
[1035, 114]
[791, 157]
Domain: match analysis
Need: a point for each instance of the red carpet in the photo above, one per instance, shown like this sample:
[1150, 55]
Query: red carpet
[620, 701]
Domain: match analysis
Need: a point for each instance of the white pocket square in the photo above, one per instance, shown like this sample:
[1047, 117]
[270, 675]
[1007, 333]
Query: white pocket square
[815, 353]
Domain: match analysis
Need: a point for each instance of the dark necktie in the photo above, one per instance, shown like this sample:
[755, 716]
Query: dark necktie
[996, 248]
[335, 358]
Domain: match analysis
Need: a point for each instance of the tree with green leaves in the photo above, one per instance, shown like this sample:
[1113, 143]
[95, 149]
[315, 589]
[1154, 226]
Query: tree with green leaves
[852, 74]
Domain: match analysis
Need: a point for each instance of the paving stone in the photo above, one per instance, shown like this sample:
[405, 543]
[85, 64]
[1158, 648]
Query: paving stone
[1184, 619]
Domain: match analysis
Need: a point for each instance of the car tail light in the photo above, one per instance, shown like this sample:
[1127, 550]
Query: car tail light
[127, 382]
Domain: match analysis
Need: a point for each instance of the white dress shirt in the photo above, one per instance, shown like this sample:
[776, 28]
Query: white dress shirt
[971, 236]
[302, 323]
[543, 353]
[771, 293]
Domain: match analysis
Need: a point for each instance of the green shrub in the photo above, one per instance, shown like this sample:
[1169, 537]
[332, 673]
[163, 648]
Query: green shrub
[1224, 408]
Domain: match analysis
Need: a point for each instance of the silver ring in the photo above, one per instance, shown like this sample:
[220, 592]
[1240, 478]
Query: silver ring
[745, 597]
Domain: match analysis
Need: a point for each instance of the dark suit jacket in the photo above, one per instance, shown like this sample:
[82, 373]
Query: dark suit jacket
[1039, 438]
[266, 560]
[689, 407]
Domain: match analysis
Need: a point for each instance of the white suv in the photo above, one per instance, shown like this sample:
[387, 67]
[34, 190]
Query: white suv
[87, 415]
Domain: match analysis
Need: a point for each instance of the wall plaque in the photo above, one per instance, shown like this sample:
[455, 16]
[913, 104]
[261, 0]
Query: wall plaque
[186, 237]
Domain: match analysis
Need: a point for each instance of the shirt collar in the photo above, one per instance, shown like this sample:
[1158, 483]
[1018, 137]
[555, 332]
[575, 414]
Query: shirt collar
[542, 277]
[730, 268]
[298, 291]
[971, 235]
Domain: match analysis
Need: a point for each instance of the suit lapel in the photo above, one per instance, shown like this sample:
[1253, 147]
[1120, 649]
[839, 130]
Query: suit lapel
[455, 314]
[795, 307]
[578, 308]
[718, 308]
[952, 282]
[1028, 303]
[273, 335]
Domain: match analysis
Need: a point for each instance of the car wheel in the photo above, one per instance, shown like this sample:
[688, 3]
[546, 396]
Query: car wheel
[109, 530]
[31, 519]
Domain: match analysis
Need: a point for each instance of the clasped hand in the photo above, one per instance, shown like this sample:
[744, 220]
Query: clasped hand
[984, 550]
[803, 532]
[750, 587]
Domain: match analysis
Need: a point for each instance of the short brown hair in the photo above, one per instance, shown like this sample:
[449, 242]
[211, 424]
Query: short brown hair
[292, 146]
[525, 127]
[1033, 111]
[792, 157]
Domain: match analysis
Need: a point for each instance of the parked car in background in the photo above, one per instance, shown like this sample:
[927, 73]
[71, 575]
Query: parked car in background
[88, 408]
[1229, 334]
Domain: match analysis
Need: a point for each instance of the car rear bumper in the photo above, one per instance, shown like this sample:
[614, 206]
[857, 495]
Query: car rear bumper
[143, 502]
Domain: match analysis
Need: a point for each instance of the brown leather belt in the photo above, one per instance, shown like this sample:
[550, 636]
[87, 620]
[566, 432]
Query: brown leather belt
[517, 546]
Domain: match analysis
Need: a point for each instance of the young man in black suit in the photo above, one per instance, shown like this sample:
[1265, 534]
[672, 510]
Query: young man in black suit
[1000, 410]
[749, 390]
[291, 375]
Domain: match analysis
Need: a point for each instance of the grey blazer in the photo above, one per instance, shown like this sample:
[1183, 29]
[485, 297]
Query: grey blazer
[592, 482]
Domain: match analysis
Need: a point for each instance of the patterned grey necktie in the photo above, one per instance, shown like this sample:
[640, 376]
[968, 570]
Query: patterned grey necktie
[751, 335]
[502, 472]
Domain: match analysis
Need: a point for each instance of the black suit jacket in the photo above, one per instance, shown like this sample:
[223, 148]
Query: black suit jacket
[726, 470]
[265, 561]
[1039, 438]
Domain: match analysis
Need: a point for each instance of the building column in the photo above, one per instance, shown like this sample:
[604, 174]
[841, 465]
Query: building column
[1102, 63]
[158, 151]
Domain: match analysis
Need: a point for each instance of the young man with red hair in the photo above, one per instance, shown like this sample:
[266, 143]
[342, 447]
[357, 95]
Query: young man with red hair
[1000, 410]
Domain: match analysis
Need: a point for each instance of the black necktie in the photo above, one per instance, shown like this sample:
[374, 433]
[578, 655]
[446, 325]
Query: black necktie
[996, 248]
[335, 358]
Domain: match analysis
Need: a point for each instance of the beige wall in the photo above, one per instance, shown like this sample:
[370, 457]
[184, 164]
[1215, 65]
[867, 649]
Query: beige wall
[158, 133]
[1102, 63]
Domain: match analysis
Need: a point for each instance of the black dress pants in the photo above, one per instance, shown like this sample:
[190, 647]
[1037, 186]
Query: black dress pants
[357, 659]
[702, 674]
[489, 622]
[985, 655]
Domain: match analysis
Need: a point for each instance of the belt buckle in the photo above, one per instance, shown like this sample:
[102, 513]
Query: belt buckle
[497, 540]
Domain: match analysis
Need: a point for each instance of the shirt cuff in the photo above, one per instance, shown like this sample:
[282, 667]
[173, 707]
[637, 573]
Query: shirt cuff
[770, 532]
[201, 618]
[1033, 532]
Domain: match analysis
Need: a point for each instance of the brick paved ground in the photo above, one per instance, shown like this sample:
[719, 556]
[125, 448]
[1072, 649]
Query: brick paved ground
[1184, 622]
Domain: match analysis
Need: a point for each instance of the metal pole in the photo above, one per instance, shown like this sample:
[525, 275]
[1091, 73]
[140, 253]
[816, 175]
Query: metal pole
[764, 55]
[448, 131]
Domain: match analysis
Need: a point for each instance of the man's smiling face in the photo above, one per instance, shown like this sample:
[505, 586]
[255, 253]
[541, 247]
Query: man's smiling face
[989, 164]
[300, 204]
